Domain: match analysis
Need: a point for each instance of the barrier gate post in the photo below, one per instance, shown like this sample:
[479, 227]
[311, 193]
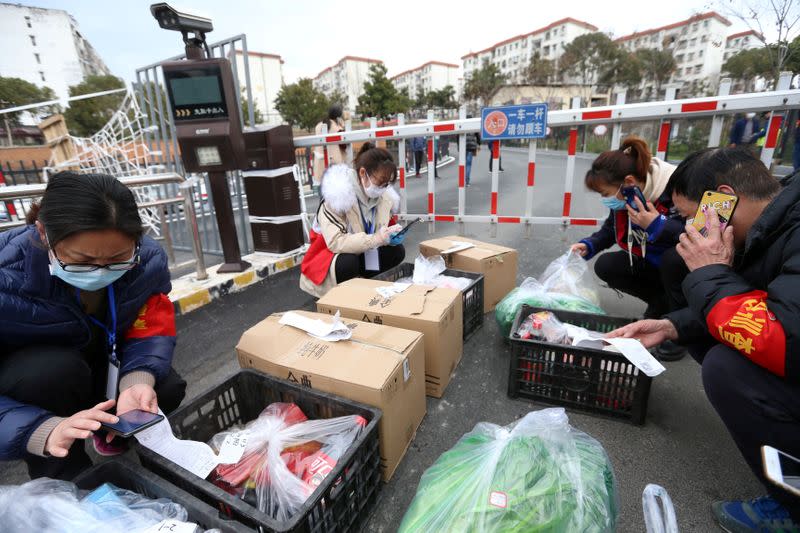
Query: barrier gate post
[717, 121]
[495, 155]
[431, 174]
[774, 123]
[617, 128]
[666, 125]
[570, 177]
[462, 162]
[529, 190]
[401, 165]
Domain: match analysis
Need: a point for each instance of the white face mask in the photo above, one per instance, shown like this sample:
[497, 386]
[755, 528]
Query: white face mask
[373, 191]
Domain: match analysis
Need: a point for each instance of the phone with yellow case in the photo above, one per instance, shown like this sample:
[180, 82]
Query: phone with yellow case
[723, 203]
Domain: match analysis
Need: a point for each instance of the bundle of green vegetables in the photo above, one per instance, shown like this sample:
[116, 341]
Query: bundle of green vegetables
[535, 475]
[565, 285]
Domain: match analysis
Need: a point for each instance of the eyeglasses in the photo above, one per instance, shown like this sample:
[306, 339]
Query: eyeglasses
[88, 267]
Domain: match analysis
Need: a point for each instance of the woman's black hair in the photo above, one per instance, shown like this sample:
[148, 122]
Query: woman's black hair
[738, 168]
[377, 162]
[73, 203]
[335, 112]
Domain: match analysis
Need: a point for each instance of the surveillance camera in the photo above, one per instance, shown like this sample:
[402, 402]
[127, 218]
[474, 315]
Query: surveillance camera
[170, 18]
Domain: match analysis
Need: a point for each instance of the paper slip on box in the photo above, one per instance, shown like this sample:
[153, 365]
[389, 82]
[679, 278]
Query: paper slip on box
[434, 312]
[378, 365]
[498, 264]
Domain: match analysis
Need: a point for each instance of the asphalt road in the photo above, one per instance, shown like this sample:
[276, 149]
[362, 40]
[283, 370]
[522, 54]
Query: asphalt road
[683, 446]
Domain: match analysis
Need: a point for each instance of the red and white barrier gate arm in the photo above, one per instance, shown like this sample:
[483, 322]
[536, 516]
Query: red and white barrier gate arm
[776, 102]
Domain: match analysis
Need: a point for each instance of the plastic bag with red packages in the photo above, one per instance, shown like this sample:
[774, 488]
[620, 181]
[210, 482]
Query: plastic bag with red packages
[286, 458]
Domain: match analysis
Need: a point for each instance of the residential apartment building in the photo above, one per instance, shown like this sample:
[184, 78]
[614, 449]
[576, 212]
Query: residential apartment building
[266, 79]
[431, 76]
[738, 42]
[346, 77]
[512, 56]
[45, 47]
[698, 45]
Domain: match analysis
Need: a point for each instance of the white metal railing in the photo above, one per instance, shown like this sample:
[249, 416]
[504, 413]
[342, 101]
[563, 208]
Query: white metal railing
[32, 192]
[666, 111]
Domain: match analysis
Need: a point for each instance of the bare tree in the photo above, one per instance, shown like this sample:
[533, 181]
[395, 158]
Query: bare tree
[783, 15]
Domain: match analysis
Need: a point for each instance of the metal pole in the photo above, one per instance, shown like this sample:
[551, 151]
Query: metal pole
[431, 174]
[221, 193]
[571, 150]
[162, 212]
[401, 164]
[665, 128]
[774, 124]
[718, 120]
[251, 108]
[617, 128]
[462, 166]
[191, 224]
[529, 190]
[495, 155]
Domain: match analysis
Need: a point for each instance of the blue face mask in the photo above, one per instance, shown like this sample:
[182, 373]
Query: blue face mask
[613, 203]
[85, 281]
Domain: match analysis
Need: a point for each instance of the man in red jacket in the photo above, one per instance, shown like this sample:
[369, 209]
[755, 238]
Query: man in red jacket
[742, 323]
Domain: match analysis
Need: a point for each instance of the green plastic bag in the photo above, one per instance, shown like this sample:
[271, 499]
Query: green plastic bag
[535, 475]
[565, 285]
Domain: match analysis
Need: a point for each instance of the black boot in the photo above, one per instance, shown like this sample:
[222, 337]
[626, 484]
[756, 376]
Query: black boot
[670, 351]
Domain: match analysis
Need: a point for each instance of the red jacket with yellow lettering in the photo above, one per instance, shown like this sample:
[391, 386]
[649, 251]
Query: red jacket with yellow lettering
[39, 309]
[753, 307]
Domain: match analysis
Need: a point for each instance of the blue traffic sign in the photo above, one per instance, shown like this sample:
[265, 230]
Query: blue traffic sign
[514, 122]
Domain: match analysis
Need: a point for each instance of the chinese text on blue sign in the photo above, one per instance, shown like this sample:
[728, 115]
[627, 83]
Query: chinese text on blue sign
[514, 122]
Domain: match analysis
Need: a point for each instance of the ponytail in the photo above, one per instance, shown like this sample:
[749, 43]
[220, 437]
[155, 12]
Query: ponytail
[611, 167]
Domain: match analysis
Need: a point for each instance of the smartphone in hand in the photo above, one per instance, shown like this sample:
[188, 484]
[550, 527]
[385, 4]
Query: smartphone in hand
[132, 422]
[630, 193]
[781, 469]
[724, 204]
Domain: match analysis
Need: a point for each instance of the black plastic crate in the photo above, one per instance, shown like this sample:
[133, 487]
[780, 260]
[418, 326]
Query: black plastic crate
[582, 378]
[472, 296]
[130, 476]
[342, 502]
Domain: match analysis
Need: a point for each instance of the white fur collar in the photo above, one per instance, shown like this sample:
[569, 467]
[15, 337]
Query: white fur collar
[338, 190]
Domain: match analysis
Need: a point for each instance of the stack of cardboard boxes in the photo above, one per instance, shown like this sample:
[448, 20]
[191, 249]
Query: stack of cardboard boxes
[404, 344]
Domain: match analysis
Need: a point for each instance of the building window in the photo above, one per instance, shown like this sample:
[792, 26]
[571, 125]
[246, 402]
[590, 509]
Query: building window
[704, 39]
[705, 24]
[698, 68]
[563, 30]
[28, 22]
[694, 27]
[679, 58]
[693, 42]
[700, 53]
[41, 75]
[677, 72]
[547, 36]
[690, 56]
[33, 39]
[38, 59]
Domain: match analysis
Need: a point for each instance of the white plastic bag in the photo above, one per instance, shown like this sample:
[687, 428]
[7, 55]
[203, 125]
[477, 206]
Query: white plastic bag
[427, 269]
[286, 458]
[569, 274]
[659, 514]
[44, 505]
[537, 474]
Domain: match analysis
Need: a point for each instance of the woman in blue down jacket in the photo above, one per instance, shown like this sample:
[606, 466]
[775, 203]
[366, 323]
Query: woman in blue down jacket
[84, 317]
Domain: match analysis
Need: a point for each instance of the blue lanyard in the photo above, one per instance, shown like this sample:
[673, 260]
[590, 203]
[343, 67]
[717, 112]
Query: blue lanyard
[110, 333]
[369, 228]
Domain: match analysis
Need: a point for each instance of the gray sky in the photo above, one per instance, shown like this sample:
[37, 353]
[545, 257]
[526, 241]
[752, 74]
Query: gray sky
[313, 34]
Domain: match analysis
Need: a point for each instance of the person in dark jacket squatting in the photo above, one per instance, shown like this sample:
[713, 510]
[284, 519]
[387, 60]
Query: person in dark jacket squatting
[82, 292]
[647, 266]
[742, 322]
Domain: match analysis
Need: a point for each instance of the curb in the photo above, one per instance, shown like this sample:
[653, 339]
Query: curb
[189, 294]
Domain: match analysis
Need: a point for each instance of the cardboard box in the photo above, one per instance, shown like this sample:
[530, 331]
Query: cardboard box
[498, 265]
[436, 313]
[380, 366]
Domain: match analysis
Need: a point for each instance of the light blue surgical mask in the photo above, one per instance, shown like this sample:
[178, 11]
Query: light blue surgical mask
[613, 203]
[85, 281]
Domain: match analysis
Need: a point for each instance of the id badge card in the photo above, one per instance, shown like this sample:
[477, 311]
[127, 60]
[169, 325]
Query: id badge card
[371, 261]
[112, 380]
